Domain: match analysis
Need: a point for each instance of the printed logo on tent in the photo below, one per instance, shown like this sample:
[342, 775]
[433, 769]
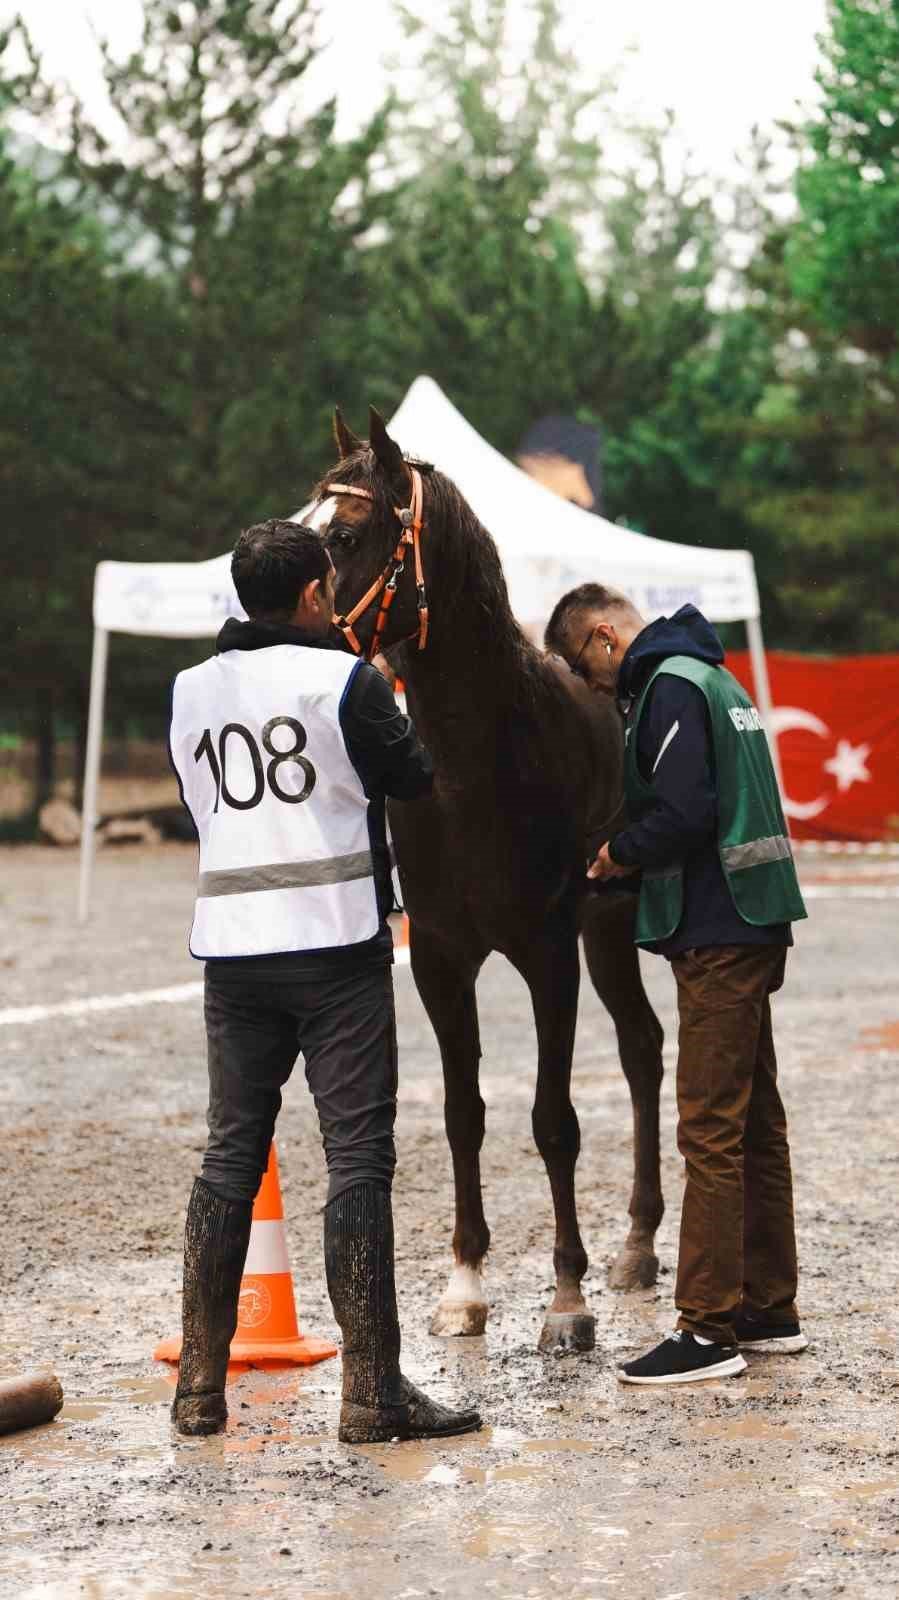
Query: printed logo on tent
[224, 603]
[146, 597]
[662, 601]
[151, 600]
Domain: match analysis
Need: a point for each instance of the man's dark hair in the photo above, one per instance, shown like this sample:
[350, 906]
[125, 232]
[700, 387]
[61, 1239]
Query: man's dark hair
[576, 603]
[272, 562]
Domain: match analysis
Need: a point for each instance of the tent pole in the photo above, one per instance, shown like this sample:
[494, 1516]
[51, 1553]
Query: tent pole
[92, 768]
[763, 691]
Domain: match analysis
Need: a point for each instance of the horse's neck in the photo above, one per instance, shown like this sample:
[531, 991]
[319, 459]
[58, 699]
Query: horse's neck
[465, 683]
[460, 692]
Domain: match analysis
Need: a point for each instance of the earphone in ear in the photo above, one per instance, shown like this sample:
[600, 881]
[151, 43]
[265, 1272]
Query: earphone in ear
[609, 651]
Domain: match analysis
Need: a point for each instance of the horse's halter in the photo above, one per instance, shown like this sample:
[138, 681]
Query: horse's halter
[411, 522]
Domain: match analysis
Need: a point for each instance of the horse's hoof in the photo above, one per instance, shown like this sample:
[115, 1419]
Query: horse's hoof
[633, 1269]
[459, 1319]
[567, 1332]
[199, 1414]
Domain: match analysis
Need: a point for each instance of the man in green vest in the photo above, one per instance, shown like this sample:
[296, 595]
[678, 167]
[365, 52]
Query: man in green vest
[717, 894]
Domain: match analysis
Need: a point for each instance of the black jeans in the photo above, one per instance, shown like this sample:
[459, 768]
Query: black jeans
[344, 1025]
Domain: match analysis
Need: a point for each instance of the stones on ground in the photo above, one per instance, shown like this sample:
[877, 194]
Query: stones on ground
[59, 822]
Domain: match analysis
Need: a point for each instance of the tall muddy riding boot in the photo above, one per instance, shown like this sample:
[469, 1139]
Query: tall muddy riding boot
[378, 1402]
[216, 1237]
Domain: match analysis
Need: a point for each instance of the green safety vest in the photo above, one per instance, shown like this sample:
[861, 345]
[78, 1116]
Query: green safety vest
[752, 835]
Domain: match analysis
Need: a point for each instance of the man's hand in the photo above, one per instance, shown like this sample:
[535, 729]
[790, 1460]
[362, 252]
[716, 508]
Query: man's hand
[383, 666]
[604, 867]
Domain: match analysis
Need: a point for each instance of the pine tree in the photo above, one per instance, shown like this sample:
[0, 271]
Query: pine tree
[843, 257]
[182, 309]
[820, 473]
[237, 196]
[477, 279]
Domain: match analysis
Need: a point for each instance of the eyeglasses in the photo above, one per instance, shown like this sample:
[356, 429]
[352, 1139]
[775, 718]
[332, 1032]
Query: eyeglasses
[573, 665]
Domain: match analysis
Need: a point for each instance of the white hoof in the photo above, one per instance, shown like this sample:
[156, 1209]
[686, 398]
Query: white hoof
[462, 1311]
[454, 1321]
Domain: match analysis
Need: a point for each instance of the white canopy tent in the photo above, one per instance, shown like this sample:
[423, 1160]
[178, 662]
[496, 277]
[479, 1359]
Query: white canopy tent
[546, 544]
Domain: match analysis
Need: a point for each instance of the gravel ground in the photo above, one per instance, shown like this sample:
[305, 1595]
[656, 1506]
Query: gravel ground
[784, 1482]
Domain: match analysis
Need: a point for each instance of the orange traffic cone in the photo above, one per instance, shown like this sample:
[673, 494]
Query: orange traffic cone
[401, 951]
[266, 1315]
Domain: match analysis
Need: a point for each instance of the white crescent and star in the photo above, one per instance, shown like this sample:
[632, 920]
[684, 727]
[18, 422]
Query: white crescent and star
[848, 765]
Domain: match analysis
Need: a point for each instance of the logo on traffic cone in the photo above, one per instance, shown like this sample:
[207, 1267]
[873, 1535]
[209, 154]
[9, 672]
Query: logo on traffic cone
[266, 1314]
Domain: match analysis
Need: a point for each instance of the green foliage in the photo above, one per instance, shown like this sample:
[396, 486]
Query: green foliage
[248, 210]
[476, 280]
[843, 257]
[652, 319]
[181, 308]
[821, 466]
[179, 315]
[196, 100]
[79, 452]
[817, 480]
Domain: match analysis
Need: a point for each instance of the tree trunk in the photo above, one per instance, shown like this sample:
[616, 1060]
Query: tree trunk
[79, 709]
[45, 738]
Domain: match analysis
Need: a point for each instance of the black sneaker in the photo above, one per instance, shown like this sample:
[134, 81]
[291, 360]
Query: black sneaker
[770, 1338]
[682, 1359]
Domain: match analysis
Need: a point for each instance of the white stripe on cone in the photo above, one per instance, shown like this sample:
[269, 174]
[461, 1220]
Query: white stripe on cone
[267, 1254]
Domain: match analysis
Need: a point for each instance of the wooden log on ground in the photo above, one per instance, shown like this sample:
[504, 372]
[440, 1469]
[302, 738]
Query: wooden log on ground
[28, 1401]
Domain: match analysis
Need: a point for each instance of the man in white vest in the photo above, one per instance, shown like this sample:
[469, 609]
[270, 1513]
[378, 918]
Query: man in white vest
[285, 748]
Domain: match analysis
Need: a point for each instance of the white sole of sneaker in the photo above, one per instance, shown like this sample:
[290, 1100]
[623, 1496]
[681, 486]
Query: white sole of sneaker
[721, 1369]
[789, 1345]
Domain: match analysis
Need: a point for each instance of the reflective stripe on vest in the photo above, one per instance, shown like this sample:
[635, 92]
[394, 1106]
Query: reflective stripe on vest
[286, 875]
[736, 857]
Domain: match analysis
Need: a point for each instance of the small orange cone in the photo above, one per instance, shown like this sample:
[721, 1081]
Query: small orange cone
[401, 950]
[266, 1315]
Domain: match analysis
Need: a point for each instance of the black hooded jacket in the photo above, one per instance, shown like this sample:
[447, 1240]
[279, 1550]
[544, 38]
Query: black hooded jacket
[683, 824]
[389, 759]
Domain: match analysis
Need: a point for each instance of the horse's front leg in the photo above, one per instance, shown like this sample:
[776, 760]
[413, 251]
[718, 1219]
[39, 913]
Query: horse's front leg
[614, 966]
[552, 972]
[445, 980]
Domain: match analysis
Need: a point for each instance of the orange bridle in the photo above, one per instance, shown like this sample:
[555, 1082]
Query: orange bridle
[384, 586]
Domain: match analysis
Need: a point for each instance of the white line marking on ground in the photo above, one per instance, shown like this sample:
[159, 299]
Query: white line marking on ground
[849, 847]
[850, 891]
[103, 1002]
[15, 1016]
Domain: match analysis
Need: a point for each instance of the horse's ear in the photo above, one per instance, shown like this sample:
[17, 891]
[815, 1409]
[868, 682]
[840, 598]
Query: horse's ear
[347, 442]
[386, 450]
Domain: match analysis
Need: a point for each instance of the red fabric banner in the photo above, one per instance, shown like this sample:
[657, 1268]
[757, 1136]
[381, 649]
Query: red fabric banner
[837, 722]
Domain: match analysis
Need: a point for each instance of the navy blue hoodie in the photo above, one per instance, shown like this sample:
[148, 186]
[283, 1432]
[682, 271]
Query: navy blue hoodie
[683, 823]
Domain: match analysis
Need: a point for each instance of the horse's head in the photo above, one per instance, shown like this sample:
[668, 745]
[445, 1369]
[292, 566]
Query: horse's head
[373, 534]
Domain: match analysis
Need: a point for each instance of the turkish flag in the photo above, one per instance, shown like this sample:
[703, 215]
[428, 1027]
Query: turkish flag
[837, 722]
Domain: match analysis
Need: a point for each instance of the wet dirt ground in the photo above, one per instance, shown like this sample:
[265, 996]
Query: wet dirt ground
[783, 1482]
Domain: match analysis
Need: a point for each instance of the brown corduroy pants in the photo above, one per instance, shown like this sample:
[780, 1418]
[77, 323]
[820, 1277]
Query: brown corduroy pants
[737, 1240]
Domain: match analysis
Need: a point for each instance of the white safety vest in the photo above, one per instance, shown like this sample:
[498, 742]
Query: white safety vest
[282, 817]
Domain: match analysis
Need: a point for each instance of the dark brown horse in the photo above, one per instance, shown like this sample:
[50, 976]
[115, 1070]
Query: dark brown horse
[528, 778]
